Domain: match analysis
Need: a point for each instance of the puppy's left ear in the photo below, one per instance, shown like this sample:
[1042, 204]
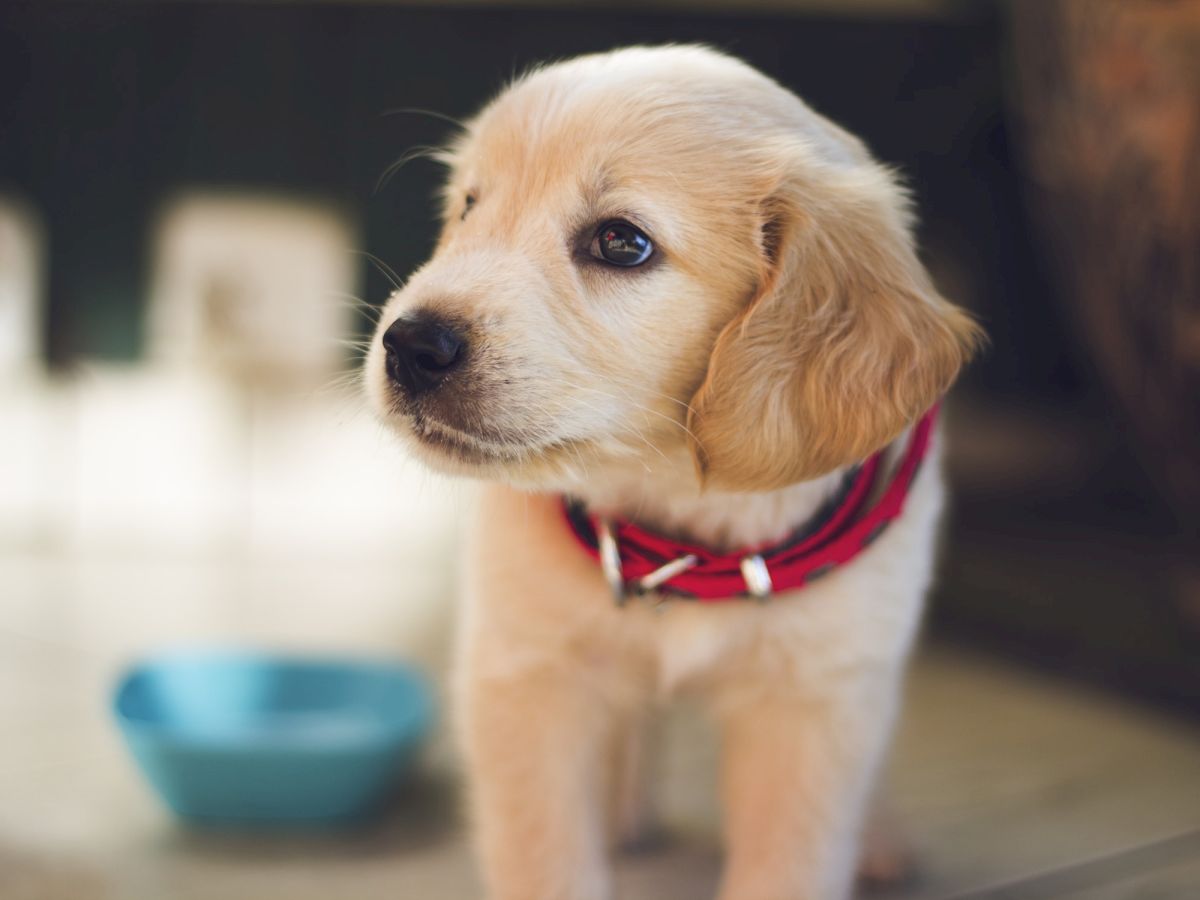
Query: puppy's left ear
[844, 344]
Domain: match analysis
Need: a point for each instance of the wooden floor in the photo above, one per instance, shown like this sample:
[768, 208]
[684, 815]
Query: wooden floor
[1010, 785]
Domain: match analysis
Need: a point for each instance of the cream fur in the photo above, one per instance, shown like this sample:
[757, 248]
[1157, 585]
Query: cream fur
[783, 330]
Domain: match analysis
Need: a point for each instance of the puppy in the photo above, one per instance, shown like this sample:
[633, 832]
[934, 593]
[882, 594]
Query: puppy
[669, 292]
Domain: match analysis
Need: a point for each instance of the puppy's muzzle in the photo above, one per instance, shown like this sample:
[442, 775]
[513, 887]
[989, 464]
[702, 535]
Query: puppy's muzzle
[421, 351]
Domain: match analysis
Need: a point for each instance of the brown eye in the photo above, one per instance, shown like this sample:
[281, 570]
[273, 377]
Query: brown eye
[621, 244]
[467, 204]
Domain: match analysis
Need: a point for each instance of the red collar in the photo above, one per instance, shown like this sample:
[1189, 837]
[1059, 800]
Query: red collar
[636, 561]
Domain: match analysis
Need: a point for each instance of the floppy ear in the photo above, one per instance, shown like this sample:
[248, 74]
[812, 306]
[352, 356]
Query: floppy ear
[845, 343]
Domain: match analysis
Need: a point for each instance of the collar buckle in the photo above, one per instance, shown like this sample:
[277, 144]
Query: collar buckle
[610, 565]
[754, 570]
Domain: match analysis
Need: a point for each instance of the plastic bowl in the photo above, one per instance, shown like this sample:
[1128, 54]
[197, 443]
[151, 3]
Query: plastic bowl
[241, 738]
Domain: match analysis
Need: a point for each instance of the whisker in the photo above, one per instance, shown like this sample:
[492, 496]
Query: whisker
[642, 387]
[387, 271]
[353, 302]
[417, 111]
[680, 425]
[637, 432]
[343, 381]
[423, 151]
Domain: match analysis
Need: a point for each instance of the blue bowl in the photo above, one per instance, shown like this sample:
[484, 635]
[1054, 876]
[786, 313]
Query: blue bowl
[241, 738]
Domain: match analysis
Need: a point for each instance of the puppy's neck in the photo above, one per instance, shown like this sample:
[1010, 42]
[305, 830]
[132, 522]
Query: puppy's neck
[672, 504]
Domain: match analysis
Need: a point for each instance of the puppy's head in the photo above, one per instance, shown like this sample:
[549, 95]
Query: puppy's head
[658, 254]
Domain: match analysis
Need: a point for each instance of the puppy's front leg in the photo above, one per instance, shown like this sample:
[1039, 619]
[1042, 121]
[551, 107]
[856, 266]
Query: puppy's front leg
[535, 744]
[796, 776]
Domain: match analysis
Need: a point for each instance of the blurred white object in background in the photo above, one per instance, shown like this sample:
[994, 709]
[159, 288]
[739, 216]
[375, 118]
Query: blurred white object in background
[253, 288]
[257, 293]
[223, 489]
[157, 463]
[366, 536]
[326, 482]
[36, 483]
[30, 420]
[21, 262]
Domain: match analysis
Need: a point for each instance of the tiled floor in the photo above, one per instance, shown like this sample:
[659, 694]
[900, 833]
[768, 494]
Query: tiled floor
[1011, 786]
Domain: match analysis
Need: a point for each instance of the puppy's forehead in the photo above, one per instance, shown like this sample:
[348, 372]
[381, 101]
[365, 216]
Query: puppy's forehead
[626, 115]
[640, 114]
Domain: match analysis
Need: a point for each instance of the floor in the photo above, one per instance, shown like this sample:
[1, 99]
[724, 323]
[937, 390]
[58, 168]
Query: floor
[1010, 785]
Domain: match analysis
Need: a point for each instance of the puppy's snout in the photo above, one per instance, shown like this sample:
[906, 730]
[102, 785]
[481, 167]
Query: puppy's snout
[421, 350]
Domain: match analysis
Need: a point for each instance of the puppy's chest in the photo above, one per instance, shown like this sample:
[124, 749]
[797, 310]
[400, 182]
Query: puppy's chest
[799, 636]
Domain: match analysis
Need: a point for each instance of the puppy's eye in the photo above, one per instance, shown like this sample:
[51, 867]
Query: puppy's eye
[621, 244]
[467, 204]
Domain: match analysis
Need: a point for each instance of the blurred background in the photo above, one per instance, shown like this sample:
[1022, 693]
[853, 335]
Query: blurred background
[200, 209]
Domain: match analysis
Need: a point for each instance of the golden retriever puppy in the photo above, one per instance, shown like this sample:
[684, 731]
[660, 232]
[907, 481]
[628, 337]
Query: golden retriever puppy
[669, 292]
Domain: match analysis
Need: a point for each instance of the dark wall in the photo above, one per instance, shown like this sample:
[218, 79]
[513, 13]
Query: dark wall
[107, 108]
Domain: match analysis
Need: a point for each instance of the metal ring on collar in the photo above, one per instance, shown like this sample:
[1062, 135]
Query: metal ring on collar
[757, 577]
[610, 561]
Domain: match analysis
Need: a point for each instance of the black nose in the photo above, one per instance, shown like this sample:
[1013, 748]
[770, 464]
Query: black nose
[421, 351]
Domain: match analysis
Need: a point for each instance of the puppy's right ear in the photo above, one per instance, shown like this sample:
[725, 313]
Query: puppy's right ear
[845, 343]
